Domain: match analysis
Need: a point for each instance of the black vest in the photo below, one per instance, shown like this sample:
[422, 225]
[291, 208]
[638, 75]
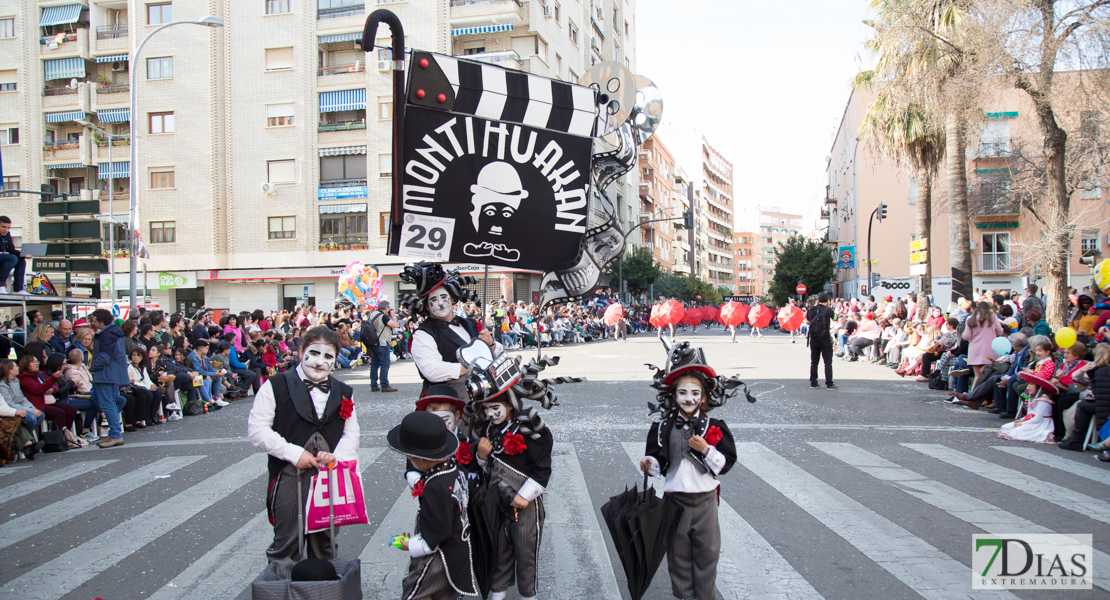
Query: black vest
[295, 415]
[447, 341]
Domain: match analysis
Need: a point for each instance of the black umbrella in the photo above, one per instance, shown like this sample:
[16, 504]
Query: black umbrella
[642, 526]
[490, 511]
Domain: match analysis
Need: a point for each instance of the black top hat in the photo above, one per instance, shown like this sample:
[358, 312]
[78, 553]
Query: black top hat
[682, 358]
[440, 392]
[423, 435]
[428, 277]
[314, 569]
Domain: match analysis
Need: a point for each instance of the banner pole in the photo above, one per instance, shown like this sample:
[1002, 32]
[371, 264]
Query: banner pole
[485, 299]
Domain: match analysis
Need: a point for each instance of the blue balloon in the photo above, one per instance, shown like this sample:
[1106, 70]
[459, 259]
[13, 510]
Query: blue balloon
[1001, 345]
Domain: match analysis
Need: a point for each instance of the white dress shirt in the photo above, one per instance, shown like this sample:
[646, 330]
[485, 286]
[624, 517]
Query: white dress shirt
[429, 361]
[260, 426]
[684, 476]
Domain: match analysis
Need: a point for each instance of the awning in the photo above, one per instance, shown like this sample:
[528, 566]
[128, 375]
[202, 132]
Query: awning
[60, 15]
[113, 58]
[117, 169]
[997, 225]
[64, 116]
[64, 68]
[340, 37]
[114, 115]
[482, 29]
[66, 166]
[342, 150]
[343, 100]
[333, 209]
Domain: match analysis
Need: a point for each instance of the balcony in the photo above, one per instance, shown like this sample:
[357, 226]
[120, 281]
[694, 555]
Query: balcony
[65, 151]
[121, 149]
[111, 95]
[110, 32]
[112, 39]
[342, 126]
[63, 97]
[65, 45]
[358, 67]
[477, 13]
[998, 263]
[345, 75]
[988, 203]
[994, 149]
[340, 12]
[829, 196]
[506, 58]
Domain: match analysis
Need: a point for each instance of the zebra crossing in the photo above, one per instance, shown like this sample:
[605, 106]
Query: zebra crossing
[577, 559]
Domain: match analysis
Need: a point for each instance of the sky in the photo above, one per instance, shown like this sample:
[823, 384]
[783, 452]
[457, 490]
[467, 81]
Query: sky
[766, 81]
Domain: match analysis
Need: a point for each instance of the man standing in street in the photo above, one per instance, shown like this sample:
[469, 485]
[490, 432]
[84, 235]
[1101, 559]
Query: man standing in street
[820, 340]
[109, 371]
[378, 333]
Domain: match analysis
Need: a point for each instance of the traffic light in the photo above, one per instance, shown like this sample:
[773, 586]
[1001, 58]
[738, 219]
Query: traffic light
[882, 212]
[47, 192]
[875, 280]
[688, 220]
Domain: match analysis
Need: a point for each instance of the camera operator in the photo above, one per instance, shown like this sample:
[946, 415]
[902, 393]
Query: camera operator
[820, 340]
[377, 334]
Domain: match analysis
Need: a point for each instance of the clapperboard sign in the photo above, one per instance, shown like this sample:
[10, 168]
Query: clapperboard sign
[496, 166]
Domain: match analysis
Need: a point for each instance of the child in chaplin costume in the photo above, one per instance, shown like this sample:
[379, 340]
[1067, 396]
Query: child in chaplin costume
[691, 450]
[304, 419]
[440, 567]
[443, 401]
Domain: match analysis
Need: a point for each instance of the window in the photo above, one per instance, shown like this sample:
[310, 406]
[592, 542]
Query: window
[161, 123]
[8, 81]
[326, 4]
[10, 183]
[475, 50]
[385, 165]
[282, 228]
[279, 59]
[383, 223]
[994, 138]
[996, 252]
[279, 115]
[1089, 245]
[157, 14]
[278, 7]
[281, 171]
[9, 136]
[7, 28]
[1091, 186]
[385, 107]
[159, 68]
[161, 180]
[573, 31]
[163, 232]
[334, 169]
[343, 226]
[557, 12]
[385, 53]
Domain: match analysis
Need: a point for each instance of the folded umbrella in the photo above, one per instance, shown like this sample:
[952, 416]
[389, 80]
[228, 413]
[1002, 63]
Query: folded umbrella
[642, 526]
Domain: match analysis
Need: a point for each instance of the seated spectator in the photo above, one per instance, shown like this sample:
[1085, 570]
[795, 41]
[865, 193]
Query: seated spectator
[138, 370]
[40, 388]
[13, 395]
[1097, 408]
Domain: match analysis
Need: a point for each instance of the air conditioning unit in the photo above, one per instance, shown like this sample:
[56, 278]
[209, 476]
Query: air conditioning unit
[548, 11]
[385, 65]
[120, 66]
[269, 188]
[593, 42]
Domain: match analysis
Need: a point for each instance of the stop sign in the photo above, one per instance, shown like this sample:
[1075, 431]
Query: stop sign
[801, 289]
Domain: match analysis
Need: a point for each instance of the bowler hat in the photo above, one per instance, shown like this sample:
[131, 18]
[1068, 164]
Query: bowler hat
[313, 569]
[422, 435]
[440, 392]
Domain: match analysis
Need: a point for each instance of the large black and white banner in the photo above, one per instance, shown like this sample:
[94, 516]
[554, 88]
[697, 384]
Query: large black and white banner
[496, 166]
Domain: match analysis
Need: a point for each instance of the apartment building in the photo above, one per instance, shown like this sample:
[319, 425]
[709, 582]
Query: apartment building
[711, 175]
[775, 227]
[264, 147]
[657, 191]
[682, 250]
[1003, 237]
[747, 274]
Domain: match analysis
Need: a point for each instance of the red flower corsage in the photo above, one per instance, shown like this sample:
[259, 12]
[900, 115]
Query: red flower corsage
[418, 489]
[513, 444]
[713, 435]
[462, 455]
[346, 409]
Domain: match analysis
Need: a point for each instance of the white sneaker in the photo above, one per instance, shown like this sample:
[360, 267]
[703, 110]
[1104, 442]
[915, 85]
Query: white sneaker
[173, 406]
[23, 293]
[175, 416]
[3, 290]
[220, 403]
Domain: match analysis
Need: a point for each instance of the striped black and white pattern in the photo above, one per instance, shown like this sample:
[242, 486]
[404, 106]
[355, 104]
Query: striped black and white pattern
[499, 94]
[897, 515]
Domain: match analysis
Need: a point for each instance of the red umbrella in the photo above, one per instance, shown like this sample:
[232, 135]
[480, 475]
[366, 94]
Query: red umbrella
[734, 313]
[654, 318]
[710, 313]
[671, 312]
[693, 317]
[790, 317]
[613, 314]
[760, 316]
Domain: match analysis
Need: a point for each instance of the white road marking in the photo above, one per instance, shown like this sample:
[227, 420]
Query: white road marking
[749, 567]
[921, 567]
[383, 566]
[44, 481]
[1092, 472]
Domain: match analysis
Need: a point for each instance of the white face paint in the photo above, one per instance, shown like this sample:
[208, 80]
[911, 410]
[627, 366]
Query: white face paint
[439, 303]
[318, 361]
[447, 416]
[495, 412]
[688, 396]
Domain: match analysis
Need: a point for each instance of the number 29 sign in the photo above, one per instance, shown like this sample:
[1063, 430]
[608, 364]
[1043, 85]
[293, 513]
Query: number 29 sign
[424, 236]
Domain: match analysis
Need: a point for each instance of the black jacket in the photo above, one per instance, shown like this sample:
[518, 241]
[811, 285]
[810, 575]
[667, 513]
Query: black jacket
[295, 416]
[1100, 387]
[659, 439]
[442, 524]
[533, 462]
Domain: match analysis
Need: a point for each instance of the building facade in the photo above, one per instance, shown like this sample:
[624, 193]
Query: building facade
[746, 271]
[1003, 238]
[264, 147]
[775, 227]
[657, 191]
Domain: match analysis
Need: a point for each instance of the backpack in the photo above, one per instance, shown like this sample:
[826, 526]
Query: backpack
[369, 336]
[193, 408]
[819, 322]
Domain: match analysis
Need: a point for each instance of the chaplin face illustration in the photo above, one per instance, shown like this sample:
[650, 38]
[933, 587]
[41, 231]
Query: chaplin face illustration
[318, 361]
[439, 303]
[688, 395]
[496, 412]
[496, 198]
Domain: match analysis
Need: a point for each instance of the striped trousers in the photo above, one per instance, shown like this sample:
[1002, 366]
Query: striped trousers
[692, 557]
[518, 554]
[284, 503]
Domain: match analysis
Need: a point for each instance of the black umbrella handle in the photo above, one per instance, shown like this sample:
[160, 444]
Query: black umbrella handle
[644, 500]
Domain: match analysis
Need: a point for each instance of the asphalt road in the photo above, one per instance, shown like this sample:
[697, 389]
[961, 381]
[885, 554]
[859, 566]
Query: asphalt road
[872, 491]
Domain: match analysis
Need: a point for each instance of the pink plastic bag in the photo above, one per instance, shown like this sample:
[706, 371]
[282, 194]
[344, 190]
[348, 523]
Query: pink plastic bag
[350, 506]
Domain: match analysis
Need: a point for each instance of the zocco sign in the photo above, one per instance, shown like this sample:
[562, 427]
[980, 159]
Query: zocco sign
[895, 285]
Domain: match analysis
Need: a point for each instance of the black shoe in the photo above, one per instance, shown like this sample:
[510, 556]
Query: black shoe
[1072, 445]
[832, 387]
[140, 426]
[815, 385]
[996, 411]
[129, 428]
[30, 451]
[1007, 415]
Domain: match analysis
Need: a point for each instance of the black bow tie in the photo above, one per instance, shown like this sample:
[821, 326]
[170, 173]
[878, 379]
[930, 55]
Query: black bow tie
[323, 386]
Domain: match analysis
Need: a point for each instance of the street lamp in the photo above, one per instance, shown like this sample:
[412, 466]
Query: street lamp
[111, 220]
[208, 21]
